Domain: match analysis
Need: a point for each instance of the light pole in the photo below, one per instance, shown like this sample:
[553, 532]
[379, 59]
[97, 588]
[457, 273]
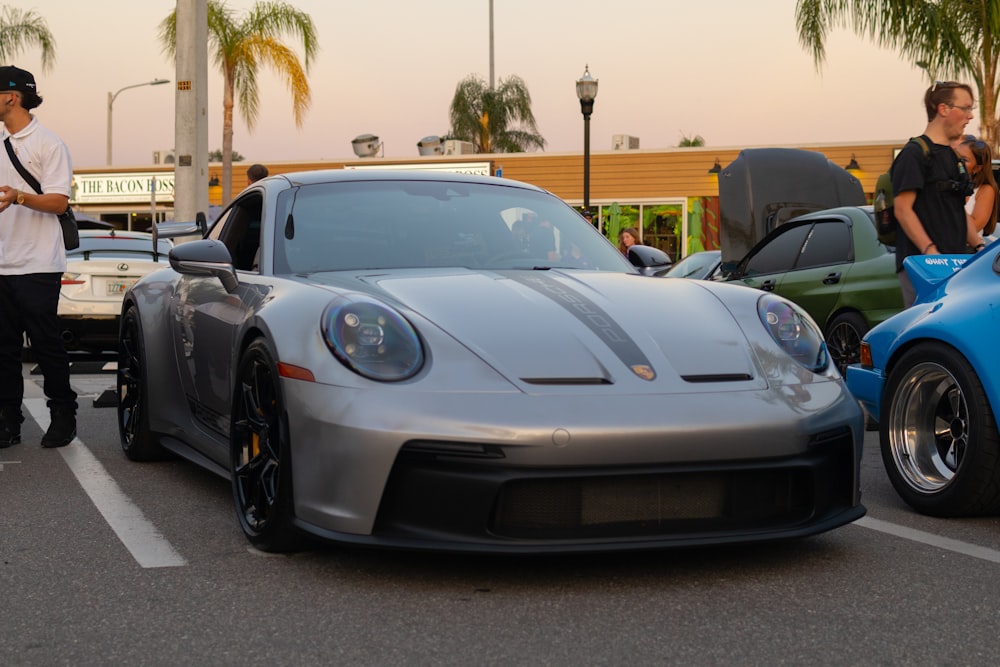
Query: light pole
[586, 90]
[111, 101]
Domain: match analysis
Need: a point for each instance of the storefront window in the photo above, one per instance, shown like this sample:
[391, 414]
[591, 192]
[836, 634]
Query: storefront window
[661, 227]
[660, 224]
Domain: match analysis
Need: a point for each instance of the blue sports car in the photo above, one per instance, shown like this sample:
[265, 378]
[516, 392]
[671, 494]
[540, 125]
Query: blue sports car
[929, 376]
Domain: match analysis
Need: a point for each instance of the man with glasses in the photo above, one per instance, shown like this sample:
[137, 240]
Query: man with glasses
[930, 184]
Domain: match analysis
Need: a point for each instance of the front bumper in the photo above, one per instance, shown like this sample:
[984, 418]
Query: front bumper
[867, 385]
[504, 473]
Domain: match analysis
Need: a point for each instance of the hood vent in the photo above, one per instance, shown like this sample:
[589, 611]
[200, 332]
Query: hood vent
[718, 377]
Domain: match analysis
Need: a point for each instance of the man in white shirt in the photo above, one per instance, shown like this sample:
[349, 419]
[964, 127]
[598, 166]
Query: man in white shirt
[32, 261]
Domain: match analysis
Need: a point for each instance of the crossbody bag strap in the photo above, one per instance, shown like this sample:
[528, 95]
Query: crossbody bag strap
[25, 174]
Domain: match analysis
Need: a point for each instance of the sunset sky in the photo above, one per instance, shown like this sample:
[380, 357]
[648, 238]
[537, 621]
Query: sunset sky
[731, 71]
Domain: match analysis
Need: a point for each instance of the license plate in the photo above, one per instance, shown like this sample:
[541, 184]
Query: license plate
[118, 287]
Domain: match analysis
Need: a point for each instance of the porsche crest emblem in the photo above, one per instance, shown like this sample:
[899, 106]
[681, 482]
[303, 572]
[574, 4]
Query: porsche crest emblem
[644, 371]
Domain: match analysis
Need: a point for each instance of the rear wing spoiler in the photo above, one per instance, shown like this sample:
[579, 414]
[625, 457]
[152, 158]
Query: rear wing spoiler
[172, 230]
[929, 272]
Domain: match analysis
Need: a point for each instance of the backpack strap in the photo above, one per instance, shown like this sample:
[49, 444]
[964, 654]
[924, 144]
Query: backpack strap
[920, 141]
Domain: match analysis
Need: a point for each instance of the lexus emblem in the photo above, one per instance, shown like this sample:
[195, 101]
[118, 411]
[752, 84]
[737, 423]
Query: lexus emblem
[123, 267]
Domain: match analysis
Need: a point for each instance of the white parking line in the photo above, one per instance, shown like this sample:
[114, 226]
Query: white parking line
[140, 537]
[976, 551]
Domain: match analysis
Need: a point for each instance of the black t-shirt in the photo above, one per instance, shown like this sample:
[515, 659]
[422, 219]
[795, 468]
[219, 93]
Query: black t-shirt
[940, 202]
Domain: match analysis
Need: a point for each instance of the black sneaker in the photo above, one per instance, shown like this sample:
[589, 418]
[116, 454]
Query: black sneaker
[62, 428]
[10, 426]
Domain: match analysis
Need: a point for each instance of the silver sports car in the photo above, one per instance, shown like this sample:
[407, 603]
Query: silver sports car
[462, 363]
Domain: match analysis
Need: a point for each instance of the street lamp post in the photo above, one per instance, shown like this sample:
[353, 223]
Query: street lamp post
[111, 101]
[586, 90]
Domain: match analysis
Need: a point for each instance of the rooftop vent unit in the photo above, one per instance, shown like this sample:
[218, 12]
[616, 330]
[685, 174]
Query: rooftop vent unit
[431, 145]
[366, 145]
[624, 142]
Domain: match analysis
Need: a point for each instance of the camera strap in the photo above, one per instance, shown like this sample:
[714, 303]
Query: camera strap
[25, 174]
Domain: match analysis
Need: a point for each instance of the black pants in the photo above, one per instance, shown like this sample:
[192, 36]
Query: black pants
[28, 304]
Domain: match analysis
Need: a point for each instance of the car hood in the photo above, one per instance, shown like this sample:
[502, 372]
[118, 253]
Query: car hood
[566, 328]
[766, 187]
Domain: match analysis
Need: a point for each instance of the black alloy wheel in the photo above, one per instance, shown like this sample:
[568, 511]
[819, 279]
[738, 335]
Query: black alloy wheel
[843, 339]
[260, 454]
[137, 440]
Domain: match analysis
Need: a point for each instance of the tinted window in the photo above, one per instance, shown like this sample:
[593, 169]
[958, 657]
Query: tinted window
[779, 254]
[828, 243]
[401, 224]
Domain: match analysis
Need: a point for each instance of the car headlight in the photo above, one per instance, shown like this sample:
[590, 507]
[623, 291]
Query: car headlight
[794, 331]
[371, 339]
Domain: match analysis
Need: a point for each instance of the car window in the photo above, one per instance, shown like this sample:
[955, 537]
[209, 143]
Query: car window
[696, 265]
[389, 224]
[239, 229]
[780, 253]
[827, 243]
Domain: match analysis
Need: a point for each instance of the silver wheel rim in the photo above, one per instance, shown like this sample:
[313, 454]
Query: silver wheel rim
[928, 427]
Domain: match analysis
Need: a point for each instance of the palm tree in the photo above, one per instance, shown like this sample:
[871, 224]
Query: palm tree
[954, 37]
[690, 142]
[239, 48]
[495, 120]
[20, 29]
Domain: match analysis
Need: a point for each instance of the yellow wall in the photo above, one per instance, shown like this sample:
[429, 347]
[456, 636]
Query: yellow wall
[614, 175]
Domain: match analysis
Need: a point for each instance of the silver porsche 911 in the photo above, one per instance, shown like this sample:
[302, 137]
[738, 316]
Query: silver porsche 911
[463, 363]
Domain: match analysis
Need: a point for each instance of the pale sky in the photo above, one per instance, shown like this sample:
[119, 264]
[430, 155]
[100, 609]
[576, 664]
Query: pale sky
[731, 71]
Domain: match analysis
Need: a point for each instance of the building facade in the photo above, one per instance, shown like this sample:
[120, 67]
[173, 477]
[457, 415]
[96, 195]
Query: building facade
[669, 195]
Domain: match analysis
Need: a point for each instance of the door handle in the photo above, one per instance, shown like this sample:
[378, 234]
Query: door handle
[768, 285]
[832, 278]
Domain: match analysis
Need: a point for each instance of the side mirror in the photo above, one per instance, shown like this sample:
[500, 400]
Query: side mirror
[205, 258]
[649, 260]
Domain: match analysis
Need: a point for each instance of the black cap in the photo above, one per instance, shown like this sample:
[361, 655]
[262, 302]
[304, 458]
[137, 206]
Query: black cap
[15, 78]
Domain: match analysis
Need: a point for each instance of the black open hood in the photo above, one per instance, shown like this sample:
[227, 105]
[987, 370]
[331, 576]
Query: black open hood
[765, 187]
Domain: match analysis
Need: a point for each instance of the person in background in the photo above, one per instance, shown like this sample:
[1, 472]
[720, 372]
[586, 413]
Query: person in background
[627, 238]
[542, 239]
[981, 206]
[255, 172]
[930, 191]
[32, 261]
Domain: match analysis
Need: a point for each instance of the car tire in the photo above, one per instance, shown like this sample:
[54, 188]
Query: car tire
[260, 454]
[137, 440]
[843, 339]
[939, 436]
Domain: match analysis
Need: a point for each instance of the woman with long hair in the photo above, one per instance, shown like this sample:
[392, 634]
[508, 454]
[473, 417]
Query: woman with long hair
[627, 238]
[981, 207]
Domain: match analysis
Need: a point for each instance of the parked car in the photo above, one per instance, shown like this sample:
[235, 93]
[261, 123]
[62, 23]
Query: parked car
[831, 263]
[929, 376]
[395, 369]
[98, 273]
[703, 265]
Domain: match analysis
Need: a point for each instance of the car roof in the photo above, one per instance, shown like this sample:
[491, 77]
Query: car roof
[389, 174]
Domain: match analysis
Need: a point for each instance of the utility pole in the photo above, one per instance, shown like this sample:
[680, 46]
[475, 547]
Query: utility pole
[491, 44]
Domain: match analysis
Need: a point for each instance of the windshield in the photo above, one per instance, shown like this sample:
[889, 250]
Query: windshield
[421, 224]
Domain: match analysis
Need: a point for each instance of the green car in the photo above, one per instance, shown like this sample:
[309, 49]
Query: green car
[831, 263]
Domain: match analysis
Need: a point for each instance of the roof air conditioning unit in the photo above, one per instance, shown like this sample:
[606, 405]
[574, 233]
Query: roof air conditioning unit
[624, 142]
[458, 147]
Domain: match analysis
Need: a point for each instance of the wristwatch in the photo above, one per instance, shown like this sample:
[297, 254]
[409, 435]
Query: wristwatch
[20, 198]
